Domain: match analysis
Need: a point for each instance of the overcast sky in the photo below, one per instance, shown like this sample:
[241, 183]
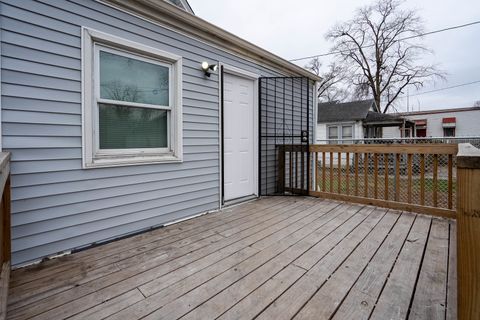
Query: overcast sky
[293, 29]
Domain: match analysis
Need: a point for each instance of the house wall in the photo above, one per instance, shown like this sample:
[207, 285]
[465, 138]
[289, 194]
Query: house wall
[468, 124]
[57, 205]
[322, 135]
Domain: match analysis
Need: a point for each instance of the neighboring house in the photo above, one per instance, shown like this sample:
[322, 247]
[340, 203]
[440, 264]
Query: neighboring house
[459, 122]
[113, 125]
[355, 120]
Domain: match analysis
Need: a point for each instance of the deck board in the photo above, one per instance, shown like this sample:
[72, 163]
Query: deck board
[277, 257]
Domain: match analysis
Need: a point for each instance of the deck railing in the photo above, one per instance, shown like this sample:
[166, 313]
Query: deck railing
[468, 232]
[5, 246]
[419, 178]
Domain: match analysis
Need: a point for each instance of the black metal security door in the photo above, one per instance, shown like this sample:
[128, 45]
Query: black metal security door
[285, 114]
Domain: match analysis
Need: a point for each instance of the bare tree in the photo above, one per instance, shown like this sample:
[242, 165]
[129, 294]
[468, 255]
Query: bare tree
[477, 104]
[330, 88]
[380, 50]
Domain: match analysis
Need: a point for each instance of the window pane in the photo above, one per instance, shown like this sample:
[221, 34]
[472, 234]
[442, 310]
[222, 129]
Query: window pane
[126, 79]
[124, 127]
[347, 131]
[332, 132]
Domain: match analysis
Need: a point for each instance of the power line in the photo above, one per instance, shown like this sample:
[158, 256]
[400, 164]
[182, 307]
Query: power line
[401, 39]
[442, 89]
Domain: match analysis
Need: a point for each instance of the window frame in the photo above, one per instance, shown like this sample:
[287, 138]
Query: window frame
[92, 43]
[339, 126]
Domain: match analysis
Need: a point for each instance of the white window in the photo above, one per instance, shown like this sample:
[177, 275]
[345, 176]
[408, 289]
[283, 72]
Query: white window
[340, 133]
[132, 111]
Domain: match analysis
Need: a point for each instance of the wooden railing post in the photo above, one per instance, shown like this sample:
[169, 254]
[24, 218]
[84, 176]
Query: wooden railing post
[281, 169]
[468, 231]
[5, 246]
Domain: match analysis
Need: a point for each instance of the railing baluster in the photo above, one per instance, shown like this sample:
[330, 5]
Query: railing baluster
[347, 172]
[435, 180]
[409, 188]
[450, 181]
[339, 174]
[323, 172]
[422, 179]
[302, 170]
[291, 170]
[356, 174]
[375, 177]
[406, 170]
[365, 173]
[385, 169]
[331, 172]
[296, 169]
[397, 176]
[316, 172]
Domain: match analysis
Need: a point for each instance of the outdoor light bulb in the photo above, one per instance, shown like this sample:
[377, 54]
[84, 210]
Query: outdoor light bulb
[214, 67]
[205, 66]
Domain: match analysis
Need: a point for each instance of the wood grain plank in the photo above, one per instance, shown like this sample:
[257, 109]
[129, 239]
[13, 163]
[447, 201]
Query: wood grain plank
[260, 298]
[361, 299]
[130, 277]
[327, 299]
[55, 283]
[323, 172]
[291, 301]
[397, 177]
[422, 179]
[331, 172]
[281, 253]
[339, 173]
[435, 180]
[425, 148]
[356, 174]
[375, 175]
[452, 274]
[172, 232]
[395, 298]
[385, 168]
[429, 301]
[109, 307]
[347, 172]
[409, 177]
[365, 175]
[317, 175]
[450, 181]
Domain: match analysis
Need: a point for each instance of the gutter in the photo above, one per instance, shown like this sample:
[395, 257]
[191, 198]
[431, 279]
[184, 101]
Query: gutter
[168, 15]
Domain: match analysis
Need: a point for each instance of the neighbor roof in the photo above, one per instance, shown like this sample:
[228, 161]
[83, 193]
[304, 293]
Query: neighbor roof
[172, 17]
[348, 111]
[378, 118]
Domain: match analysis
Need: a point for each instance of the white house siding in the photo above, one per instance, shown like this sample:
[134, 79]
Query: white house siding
[390, 132]
[322, 134]
[56, 205]
[467, 123]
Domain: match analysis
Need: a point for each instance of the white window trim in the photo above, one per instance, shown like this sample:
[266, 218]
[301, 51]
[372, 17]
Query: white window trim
[91, 156]
[339, 127]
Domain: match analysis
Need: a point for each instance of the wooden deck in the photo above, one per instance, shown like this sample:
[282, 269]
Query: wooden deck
[274, 258]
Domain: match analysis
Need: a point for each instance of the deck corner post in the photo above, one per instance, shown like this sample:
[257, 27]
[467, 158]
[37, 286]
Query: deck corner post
[5, 235]
[281, 169]
[468, 231]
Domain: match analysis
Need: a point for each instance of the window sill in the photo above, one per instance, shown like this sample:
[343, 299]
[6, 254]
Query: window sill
[120, 161]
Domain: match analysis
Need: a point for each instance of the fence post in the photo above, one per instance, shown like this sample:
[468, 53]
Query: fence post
[468, 231]
[5, 246]
[281, 169]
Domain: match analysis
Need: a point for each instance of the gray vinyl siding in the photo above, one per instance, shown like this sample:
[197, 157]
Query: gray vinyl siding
[58, 206]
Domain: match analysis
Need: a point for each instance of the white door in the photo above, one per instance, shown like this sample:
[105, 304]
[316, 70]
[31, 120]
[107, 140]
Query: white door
[238, 135]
